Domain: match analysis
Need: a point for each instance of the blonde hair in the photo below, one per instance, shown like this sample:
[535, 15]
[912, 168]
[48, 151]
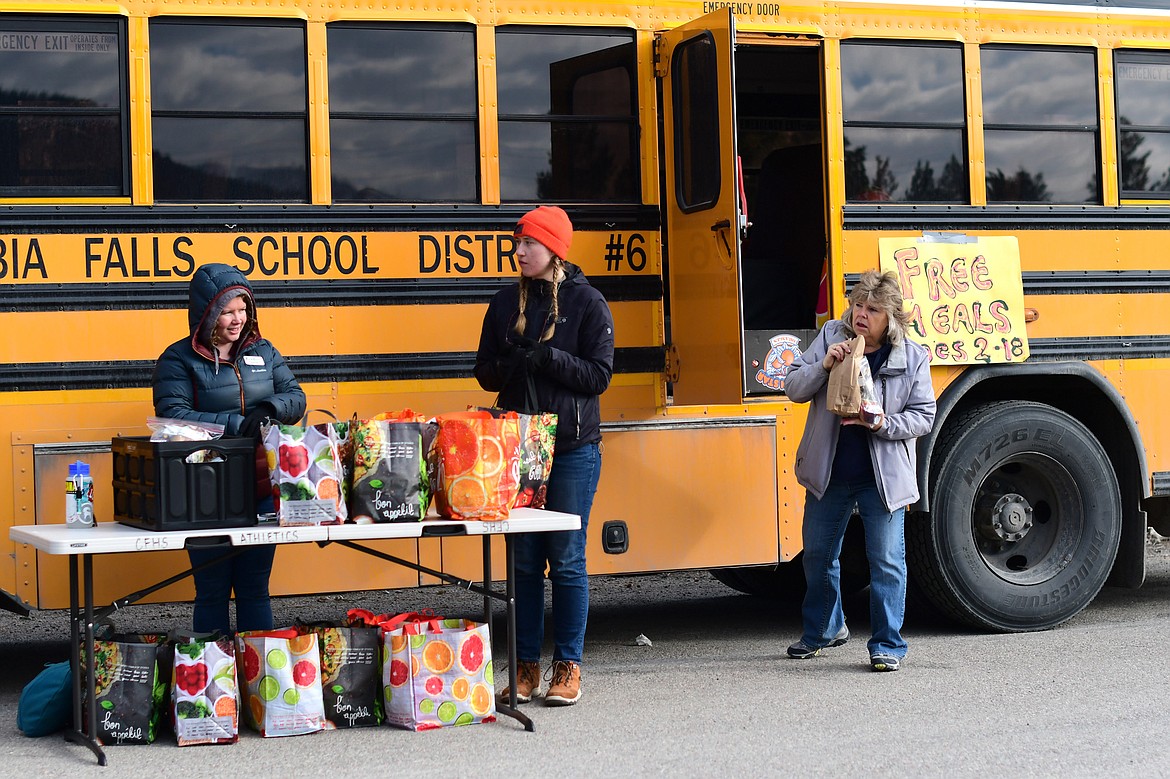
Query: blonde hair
[885, 290]
[522, 320]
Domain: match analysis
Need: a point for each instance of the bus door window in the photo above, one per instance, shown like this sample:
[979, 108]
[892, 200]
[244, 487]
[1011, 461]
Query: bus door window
[778, 102]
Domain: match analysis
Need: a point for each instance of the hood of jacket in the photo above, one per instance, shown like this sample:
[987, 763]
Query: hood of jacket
[213, 287]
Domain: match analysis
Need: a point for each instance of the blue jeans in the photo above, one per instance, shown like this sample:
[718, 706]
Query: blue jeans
[571, 487]
[885, 548]
[247, 574]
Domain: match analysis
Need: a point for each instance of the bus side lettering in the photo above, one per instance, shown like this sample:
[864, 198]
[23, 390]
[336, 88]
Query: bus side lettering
[464, 252]
[113, 258]
[347, 254]
[10, 260]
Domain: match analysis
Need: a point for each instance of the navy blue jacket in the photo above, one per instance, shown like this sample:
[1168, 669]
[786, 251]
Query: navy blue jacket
[581, 361]
[190, 383]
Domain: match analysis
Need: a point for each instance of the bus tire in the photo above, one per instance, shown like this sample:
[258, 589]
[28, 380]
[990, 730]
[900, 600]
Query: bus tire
[784, 583]
[1025, 519]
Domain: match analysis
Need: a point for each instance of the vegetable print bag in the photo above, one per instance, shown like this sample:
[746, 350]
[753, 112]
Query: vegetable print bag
[306, 468]
[204, 696]
[538, 435]
[351, 673]
[391, 472]
[128, 690]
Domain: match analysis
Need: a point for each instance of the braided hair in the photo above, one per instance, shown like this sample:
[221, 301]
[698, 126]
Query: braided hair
[554, 311]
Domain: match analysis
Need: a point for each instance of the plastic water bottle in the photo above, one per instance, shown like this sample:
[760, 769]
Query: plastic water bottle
[79, 496]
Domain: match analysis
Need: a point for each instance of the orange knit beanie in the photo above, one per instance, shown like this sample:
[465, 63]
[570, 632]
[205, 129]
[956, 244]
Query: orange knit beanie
[551, 226]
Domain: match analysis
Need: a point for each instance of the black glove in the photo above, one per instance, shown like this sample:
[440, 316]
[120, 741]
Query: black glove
[514, 355]
[539, 357]
[250, 427]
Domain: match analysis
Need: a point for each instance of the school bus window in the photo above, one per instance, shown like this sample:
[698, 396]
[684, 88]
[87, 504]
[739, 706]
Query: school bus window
[568, 115]
[400, 127]
[229, 110]
[62, 102]
[696, 101]
[1040, 124]
[1143, 118]
[905, 130]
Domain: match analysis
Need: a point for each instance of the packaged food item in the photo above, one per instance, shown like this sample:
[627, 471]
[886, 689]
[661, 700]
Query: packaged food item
[844, 391]
[166, 429]
[871, 408]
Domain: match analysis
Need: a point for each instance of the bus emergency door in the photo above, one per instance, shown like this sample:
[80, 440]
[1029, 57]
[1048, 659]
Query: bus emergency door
[701, 206]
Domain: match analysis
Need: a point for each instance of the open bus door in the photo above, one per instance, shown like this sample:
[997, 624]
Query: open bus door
[701, 206]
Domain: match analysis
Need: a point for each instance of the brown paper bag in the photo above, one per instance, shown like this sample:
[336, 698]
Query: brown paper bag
[845, 383]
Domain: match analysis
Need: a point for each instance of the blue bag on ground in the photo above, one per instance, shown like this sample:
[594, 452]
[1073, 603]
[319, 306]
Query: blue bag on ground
[45, 706]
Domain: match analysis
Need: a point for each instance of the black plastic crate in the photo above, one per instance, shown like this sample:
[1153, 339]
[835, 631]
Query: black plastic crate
[157, 489]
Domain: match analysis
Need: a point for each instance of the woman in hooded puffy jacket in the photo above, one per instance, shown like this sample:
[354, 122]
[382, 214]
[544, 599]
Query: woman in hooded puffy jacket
[224, 372]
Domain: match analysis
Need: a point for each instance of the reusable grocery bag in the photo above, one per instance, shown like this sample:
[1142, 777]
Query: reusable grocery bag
[205, 695]
[478, 464]
[351, 672]
[306, 469]
[538, 435]
[844, 390]
[391, 478]
[439, 676]
[281, 681]
[344, 457]
[128, 690]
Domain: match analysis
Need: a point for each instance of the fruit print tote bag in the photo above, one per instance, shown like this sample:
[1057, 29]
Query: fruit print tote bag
[281, 681]
[478, 467]
[438, 677]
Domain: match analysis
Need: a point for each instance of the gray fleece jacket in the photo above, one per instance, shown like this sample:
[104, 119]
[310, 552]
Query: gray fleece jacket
[907, 397]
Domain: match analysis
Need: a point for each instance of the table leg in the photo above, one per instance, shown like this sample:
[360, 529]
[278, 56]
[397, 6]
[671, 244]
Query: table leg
[510, 600]
[84, 702]
[487, 586]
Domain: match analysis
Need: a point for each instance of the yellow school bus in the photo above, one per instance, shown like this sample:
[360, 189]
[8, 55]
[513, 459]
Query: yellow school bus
[730, 168]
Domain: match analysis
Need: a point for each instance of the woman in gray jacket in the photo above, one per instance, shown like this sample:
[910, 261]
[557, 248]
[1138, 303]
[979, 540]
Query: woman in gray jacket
[844, 463]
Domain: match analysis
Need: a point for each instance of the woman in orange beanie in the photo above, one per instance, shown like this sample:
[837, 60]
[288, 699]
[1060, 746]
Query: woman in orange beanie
[553, 327]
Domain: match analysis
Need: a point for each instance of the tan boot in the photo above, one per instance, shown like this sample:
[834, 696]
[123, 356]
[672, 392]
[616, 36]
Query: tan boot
[527, 683]
[564, 689]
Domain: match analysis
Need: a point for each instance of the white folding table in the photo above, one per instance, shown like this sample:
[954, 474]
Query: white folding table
[85, 542]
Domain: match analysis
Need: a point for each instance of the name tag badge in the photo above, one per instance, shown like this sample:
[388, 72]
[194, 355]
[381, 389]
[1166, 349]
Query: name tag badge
[253, 359]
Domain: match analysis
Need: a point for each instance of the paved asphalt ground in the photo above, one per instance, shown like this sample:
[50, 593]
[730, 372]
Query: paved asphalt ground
[714, 695]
